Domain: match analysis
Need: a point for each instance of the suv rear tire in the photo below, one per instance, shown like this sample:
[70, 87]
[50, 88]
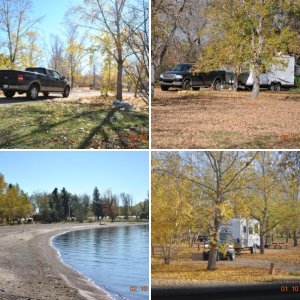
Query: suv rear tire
[164, 88]
[205, 255]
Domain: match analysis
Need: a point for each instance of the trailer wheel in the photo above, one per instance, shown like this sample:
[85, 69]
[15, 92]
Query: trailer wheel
[187, 85]
[33, 92]
[217, 85]
[278, 87]
[164, 88]
[8, 94]
[272, 87]
[253, 249]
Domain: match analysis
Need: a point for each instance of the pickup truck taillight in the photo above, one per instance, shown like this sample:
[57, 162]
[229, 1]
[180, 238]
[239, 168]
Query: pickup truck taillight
[20, 77]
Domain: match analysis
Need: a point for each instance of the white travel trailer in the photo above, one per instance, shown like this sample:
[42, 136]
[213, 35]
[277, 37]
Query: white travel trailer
[277, 77]
[245, 233]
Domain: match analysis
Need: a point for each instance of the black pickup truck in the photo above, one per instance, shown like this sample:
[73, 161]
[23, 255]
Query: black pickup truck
[181, 77]
[32, 81]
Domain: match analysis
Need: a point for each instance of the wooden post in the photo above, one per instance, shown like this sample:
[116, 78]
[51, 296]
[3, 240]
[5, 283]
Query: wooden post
[271, 272]
[152, 250]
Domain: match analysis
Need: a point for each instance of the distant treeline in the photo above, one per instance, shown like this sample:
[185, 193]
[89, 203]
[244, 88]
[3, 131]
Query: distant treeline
[58, 206]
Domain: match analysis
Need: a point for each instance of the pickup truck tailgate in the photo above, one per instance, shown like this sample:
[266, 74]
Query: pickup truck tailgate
[8, 77]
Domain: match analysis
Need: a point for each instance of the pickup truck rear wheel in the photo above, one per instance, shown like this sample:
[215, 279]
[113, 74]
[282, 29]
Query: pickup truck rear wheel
[186, 85]
[217, 85]
[66, 92]
[33, 92]
[46, 94]
[9, 94]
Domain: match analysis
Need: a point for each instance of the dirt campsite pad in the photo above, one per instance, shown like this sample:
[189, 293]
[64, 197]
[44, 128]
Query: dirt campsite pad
[226, 119]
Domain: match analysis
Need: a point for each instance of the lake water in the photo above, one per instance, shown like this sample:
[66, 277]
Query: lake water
[115, 258]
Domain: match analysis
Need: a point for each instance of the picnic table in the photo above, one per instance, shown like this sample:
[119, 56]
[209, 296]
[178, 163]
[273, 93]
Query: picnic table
[279, 245]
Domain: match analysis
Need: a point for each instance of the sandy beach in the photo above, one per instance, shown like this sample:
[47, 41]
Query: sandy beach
[31, 269]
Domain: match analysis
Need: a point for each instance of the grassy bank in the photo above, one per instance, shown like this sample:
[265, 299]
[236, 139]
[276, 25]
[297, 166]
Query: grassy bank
[51, 124]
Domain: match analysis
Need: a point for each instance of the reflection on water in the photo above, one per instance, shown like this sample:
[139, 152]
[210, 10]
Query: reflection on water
[115, 258]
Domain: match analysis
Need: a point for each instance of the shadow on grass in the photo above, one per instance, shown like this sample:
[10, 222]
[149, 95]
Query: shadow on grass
[99, 129]
[131, 121]
[122, 142]
[42, 127]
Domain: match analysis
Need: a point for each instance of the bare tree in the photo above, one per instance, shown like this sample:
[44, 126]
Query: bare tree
[110, 203]
[127, 203]
[75, 51]
[15, 23]
[106, 18]
[138, 42]
[166, 16]
[57, 55]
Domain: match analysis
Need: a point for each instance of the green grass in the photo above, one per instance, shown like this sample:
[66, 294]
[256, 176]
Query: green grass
[51, 125]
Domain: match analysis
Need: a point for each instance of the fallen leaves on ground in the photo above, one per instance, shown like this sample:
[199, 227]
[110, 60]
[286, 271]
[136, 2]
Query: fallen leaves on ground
[226, 119]
[225, 273]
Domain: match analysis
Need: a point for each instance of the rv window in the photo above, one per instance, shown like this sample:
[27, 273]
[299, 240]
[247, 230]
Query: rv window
[256, 228]
[244, 229]
[250, 230]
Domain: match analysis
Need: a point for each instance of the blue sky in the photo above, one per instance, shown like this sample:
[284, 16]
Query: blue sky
[78, 171]
[53, 12]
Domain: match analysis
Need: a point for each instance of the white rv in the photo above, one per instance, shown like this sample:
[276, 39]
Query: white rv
[245, 233]
[277, 77]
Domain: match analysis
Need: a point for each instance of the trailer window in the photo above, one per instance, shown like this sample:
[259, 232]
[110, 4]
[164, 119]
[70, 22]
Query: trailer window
[250, 230]
[256, 228]
[244, 229]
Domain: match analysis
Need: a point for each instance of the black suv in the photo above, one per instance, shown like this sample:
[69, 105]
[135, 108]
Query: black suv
[182, 77]
[225, 247]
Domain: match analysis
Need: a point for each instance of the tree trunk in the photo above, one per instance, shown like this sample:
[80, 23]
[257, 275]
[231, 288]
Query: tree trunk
[262, 244]
[153, 79]
[295, 237]
[119, 81]
[166, 254]
[235, 82]
[256, 83]
[212, 259]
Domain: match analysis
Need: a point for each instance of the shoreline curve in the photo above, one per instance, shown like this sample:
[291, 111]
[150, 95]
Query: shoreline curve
[30, 265]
